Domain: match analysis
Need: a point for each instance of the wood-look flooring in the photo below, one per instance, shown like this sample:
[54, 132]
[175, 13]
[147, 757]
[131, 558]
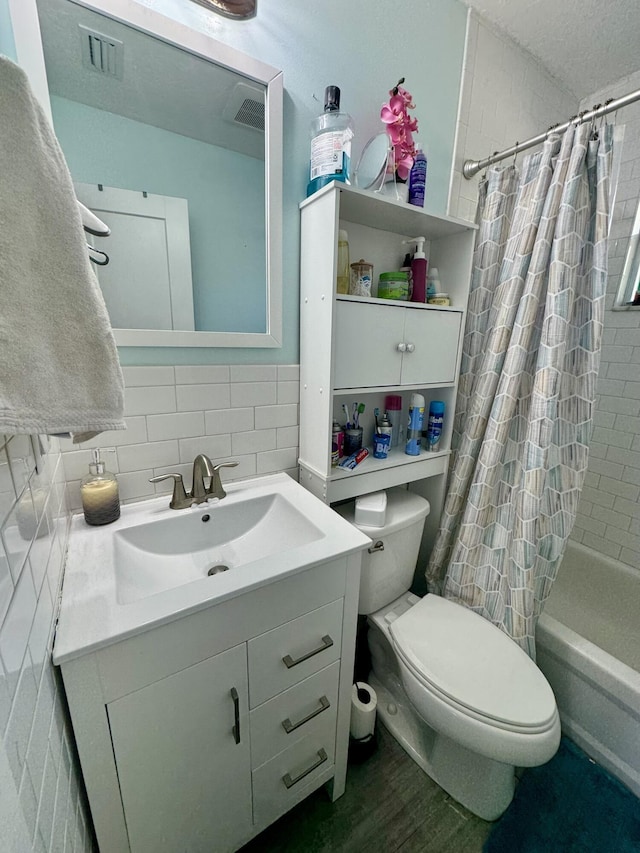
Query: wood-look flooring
[389, 805]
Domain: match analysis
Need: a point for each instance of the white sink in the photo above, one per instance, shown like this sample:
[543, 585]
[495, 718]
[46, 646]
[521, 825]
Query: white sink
[189, 546]
[152, 565]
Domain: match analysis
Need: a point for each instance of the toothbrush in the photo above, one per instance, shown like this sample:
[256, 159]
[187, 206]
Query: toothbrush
[346, 414]
[358, 413]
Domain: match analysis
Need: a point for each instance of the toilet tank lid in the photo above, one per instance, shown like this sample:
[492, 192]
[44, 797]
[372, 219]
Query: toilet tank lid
[403, 509]
[474, 663]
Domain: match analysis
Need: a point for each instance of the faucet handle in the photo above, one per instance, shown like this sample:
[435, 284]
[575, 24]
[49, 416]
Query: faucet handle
[179, 499]
[216, 490]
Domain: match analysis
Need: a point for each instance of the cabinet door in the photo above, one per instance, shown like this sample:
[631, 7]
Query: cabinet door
[434, 334]
[185, 782]
[366, 341]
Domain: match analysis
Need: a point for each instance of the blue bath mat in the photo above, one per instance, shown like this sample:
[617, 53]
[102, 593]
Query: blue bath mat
[568, 805]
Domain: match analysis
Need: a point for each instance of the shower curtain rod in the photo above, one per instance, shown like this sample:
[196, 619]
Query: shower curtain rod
[472, 167]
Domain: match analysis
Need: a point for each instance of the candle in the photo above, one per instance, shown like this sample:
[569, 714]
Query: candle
[100, 501]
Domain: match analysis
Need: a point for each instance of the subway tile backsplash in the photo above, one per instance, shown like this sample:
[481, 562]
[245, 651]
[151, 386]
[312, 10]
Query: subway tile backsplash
[243, 412]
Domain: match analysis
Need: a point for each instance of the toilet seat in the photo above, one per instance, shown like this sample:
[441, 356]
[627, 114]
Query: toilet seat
[472, 666]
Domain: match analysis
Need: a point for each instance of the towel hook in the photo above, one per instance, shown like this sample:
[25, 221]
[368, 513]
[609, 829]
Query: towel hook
[98, 256]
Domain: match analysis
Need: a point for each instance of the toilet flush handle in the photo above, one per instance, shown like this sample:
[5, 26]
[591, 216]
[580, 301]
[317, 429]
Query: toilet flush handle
[377, 546]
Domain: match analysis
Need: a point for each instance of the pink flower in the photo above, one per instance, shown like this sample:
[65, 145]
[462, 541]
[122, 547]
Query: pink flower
[400, 127]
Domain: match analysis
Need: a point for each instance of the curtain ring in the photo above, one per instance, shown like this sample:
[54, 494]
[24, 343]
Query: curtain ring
[515, 154]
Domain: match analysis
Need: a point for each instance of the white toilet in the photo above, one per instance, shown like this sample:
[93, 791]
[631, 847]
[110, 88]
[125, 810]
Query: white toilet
[464, 700]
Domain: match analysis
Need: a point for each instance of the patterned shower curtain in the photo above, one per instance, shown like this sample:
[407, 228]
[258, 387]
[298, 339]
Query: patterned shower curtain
[528, 379]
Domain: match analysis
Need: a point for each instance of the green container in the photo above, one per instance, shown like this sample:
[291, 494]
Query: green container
[393, 285]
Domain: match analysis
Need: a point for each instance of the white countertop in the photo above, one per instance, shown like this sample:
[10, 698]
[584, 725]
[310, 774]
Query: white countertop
[91, 616]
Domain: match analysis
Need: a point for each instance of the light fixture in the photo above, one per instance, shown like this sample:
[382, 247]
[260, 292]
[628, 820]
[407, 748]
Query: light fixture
[238, 9]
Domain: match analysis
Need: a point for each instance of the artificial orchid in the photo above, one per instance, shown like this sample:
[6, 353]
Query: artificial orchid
[400, 127]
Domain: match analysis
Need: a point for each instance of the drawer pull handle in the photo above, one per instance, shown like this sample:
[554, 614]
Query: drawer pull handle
[236, 714]
[289, 782]
[327, 642]
[289, 727]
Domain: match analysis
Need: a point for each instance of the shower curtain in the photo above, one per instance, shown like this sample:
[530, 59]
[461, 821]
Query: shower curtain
[528, 378]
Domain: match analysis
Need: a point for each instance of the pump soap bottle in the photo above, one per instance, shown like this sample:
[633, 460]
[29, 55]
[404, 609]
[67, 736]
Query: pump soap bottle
[418, 270]
[99, 493]
[331, 135]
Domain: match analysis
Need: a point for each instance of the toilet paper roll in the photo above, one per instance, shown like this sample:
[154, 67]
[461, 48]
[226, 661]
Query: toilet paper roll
[363, 710]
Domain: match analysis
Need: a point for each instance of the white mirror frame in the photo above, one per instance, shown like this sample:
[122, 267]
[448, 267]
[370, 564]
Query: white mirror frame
[26, 31]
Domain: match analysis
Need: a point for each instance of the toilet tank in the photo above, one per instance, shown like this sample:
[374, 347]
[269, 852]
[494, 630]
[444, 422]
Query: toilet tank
[388, 568]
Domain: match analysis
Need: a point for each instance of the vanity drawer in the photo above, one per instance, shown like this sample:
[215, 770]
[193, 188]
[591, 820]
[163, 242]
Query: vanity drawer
[286, 779]
[294, 651]
[299, 711]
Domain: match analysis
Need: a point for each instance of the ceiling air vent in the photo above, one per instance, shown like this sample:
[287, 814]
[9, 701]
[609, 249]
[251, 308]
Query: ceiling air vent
[246, 107]
[101, 53]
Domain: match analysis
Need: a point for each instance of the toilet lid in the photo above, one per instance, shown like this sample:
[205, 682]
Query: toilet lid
[473, 663]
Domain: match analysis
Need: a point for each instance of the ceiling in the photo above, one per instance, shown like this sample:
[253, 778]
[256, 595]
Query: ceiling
[154, 81]
[585, 44]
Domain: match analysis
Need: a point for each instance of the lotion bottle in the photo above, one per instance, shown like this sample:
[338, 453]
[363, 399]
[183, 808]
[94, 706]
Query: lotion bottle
[418, 270]
[99, 493]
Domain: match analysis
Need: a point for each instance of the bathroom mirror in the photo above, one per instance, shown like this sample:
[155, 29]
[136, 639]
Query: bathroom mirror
[371, 169]
[169, 121]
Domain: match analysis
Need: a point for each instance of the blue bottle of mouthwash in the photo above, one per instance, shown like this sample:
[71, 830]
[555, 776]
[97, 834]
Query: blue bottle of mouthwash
[331, 135]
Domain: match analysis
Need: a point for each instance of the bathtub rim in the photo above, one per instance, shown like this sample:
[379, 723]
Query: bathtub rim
[584, 656]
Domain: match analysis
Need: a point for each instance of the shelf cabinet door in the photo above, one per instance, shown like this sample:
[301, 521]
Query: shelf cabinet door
[378, 345]
[434, 334]
[366, 345]
[185, 782]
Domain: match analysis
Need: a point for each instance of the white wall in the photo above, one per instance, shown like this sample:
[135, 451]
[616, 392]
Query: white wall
[506, 97]
[609, 512]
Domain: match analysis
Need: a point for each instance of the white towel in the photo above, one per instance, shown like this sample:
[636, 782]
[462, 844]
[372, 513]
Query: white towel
[59, 368]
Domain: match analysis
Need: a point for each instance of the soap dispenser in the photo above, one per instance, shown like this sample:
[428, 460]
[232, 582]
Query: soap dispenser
[99, 493]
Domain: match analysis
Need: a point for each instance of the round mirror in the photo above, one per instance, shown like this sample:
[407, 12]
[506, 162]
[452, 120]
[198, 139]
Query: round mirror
[372, 165]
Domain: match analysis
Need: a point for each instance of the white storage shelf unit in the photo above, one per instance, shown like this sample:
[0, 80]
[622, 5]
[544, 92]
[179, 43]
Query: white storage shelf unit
[362, 349]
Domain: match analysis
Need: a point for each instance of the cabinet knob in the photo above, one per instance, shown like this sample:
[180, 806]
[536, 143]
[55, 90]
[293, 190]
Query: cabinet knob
[411, 347]
[401, 347]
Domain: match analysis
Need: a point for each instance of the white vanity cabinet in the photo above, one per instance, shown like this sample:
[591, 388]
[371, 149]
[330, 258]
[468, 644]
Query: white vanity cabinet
[360, 350]
[177, 745]
[198, 733]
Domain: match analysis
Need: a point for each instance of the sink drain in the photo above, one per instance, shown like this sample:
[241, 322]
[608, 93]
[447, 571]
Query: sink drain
[216, 570]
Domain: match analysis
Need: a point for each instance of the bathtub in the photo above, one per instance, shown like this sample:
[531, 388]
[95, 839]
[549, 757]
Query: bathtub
[588, 647]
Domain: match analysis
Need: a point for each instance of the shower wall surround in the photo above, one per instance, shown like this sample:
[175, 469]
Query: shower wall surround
[609, 513]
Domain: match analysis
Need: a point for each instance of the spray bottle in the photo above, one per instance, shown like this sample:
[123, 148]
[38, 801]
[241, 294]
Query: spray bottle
[414, 427]
[418, 270]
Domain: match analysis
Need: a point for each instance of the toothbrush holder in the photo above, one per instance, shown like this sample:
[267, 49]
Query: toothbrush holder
[352, 440]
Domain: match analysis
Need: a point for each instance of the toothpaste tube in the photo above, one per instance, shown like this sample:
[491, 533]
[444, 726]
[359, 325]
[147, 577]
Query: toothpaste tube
[354, 459]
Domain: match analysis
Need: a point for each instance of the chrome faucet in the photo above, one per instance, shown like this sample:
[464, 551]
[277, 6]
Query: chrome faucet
[202, 467]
